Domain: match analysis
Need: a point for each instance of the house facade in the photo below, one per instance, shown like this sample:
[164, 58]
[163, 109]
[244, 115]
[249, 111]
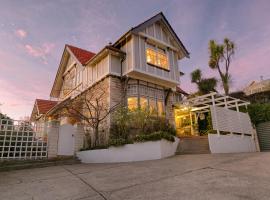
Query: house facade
[258, 91]
[141, 67]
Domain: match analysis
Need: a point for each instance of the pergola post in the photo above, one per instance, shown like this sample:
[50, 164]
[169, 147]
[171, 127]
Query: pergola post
[191, 123]
[214, 109]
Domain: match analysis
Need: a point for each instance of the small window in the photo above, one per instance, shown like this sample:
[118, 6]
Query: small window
[156, 56]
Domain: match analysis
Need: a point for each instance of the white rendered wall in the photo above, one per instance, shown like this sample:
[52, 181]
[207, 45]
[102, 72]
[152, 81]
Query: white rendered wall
[130, 152]
[231, 143]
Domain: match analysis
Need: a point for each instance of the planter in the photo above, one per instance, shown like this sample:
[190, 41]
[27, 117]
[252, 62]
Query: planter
[151, 150]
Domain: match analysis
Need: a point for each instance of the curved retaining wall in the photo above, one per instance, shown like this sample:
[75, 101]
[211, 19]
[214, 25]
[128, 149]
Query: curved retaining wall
[130, 152]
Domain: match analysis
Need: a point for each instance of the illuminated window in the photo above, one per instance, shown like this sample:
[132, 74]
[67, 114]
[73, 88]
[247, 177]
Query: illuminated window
[132, 103]
[156, 56]
[160, 107]
[152, 106]
[143, 103]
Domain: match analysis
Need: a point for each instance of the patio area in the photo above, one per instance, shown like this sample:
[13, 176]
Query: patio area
[206, 176]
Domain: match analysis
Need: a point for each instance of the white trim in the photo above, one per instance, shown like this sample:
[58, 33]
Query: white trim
[158, 41]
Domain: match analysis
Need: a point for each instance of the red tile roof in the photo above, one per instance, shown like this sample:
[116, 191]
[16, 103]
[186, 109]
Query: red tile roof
[178, 89]
[82, 55]
[44, 106]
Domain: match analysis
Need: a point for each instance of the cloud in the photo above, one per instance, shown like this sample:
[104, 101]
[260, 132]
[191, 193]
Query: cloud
[40, 52]
[20, 33]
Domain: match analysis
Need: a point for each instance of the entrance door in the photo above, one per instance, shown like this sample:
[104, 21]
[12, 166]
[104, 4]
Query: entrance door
[66, 140]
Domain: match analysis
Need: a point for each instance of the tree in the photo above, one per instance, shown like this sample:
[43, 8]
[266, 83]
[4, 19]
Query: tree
[90, 107]
[205, 85]
[222, 53]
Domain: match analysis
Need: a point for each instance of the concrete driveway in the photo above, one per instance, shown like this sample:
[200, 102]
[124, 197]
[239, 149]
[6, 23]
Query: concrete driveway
[226, 176]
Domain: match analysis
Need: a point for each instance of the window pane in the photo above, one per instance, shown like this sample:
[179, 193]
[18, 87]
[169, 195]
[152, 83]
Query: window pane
[160, 108]
[152, 105]
[132, 103]
[151, 56]
[143, 103]
[162, 60]
[157, 57]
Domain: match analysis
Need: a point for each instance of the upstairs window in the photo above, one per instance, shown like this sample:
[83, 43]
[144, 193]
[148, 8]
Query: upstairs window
[157, 56]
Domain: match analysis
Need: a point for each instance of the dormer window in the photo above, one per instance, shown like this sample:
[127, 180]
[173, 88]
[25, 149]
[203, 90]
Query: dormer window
[156, 56]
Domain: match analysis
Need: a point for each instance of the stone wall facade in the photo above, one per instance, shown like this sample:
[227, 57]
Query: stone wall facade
[53, 136]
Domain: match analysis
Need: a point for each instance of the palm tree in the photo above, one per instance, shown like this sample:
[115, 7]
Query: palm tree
[222, 53]
[205, 85]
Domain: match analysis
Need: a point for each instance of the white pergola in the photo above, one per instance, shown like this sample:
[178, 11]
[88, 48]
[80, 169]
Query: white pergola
[202, 103]
[213, 100]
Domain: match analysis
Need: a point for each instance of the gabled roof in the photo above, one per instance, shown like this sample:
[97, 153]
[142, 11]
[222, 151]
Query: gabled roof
[44, 106]
[178, 89]
[152, 20]
[81, 54]
[41, 107]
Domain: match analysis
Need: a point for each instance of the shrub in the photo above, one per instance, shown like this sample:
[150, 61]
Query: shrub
[154, 137]
[94, 148]
[119, 142]
[259, 113]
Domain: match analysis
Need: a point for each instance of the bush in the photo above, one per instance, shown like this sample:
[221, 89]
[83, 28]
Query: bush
[119, 142]
[94, 148]
[154, 137]
[139, 125]
[259, 113]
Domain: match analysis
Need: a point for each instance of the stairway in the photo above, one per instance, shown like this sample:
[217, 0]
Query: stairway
[193, 145]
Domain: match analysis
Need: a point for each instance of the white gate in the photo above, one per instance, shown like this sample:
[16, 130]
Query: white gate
[66, 140]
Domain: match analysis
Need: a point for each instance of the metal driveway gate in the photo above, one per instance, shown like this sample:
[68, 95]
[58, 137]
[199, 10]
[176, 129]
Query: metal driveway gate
[263, 132]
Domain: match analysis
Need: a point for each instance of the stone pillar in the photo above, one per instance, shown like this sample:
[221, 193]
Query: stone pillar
[53, 135]
[78, 137]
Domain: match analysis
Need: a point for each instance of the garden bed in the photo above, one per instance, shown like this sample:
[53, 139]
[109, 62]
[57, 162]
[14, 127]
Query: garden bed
[141, 151]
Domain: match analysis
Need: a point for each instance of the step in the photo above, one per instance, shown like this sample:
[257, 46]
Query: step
[8, 165]
[193, 145]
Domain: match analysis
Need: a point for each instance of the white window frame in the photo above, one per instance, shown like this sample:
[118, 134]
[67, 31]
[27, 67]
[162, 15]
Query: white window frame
[156, 48]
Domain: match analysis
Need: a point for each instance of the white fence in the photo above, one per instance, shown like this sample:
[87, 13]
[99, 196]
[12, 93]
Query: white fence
[227, 120]
[19, 140]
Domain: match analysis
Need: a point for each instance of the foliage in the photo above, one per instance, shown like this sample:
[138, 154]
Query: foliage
[259, 113]
[222, 53]
[90, 108]
[196, 76]
[205, 85]
[139, 125]
[120, 142]
[121, 126]
[209, 126]
[154, 137]
[94, 148]
[141, 118]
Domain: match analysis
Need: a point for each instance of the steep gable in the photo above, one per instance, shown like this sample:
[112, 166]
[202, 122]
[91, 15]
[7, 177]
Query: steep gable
[71, 55]
[158, 27]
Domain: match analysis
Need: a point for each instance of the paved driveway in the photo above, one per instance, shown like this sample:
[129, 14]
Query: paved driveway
[227, 176]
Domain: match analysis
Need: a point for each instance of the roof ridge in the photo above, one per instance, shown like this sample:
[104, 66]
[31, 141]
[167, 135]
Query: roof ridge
[72, 46]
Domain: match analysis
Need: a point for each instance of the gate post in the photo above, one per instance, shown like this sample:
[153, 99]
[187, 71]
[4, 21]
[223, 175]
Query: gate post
[53, 135]
[78, 137]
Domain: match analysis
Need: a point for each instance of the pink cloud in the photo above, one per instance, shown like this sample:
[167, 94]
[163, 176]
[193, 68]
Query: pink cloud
[20, 33]
[40, 52]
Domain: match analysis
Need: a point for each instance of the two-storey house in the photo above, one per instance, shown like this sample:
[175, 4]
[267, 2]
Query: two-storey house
[146, 58]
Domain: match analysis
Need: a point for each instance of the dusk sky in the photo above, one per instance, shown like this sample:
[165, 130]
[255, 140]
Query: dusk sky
[33, 35]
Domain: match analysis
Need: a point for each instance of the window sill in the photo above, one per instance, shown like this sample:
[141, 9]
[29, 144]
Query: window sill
[158, 67]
